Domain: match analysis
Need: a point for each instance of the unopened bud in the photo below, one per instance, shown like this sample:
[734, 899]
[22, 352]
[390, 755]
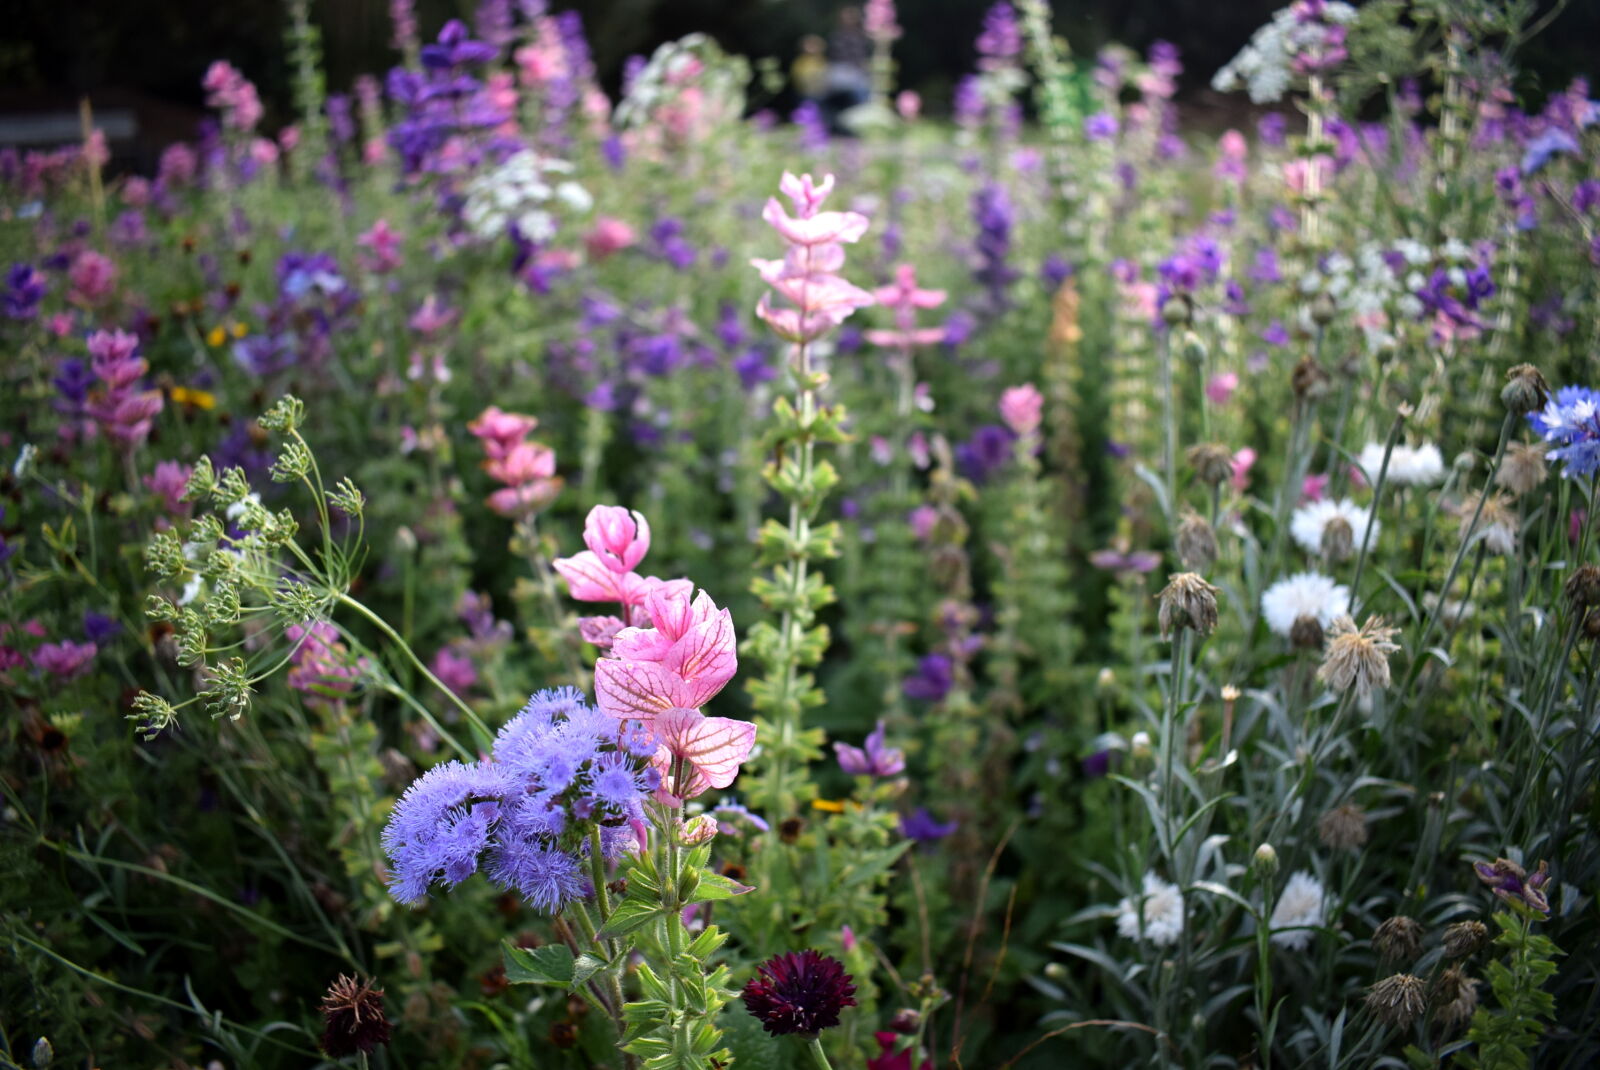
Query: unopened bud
[1323, 309]
[1525, 390]
[1140, 744]
[1266, 858]
[1177, 310]
[1196, 542]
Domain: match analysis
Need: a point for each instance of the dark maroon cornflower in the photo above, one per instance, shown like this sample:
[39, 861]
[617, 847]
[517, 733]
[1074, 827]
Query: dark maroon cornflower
[801, 992]
[1514, 884]
[353, 1013]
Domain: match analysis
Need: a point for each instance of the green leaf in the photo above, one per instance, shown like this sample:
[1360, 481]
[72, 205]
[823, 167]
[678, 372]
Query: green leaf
[630, 914]
[716, 886]
[551, 964]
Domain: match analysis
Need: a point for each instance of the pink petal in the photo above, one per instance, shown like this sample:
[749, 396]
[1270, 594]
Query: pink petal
[589, 580]
[636, 689]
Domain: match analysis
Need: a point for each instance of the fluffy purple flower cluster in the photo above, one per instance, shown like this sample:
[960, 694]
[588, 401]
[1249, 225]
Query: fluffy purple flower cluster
[560, 769]
[1572, 418]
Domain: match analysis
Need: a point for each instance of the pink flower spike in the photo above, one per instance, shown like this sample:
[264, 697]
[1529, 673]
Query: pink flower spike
[824, 228]
[590, 580]
[1022, 408]
[705, 752]
[806, 194]
[618, 537]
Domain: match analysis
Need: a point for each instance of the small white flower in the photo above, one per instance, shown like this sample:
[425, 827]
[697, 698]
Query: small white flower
[1306, 594]
[1408, 465]
[1161, 907]
[1311, 521]
[1303, 903]
[192, 589]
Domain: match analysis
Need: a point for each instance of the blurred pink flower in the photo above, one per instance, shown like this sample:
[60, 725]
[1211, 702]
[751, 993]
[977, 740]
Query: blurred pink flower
[381, 247]
[1243, 461]
[1221, 387]
[93, 276]
[1314, 488]
[608, 236]
[619, 537]
[1022, 407]
[65, 659]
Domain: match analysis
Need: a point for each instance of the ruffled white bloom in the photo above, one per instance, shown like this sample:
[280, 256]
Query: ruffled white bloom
[1266, 65]
[1417, 466]
[1161, 905]
[1311, 522]
[1306, 594]
[520, 192]
[1303, 903]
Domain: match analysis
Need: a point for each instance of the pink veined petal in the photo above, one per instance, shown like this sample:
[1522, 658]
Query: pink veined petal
[815, 230]
[713, 747]
[636, 689]
[589, 580]
[706, 655]
[640, 644]
[671, 611]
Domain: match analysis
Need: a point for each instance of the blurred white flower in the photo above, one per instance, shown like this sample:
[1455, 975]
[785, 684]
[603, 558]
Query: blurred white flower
[1161, 905]
[1306, 594]
[1303, 903]
[1310, 524]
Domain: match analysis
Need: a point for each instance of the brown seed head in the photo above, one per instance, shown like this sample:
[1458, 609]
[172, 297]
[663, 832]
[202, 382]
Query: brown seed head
[1343, 828]
[1196, 542]
[1522, 470]
[1463, 938]
[1525, 390]
[1398, 1001]
[1583, 586]
[1358, 659]
[1212, 463]
[1398, 939]
[1187, 601]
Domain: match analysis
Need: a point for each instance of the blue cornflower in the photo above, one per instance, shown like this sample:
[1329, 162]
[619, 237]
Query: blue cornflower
[1572, 418]
[1542, 148]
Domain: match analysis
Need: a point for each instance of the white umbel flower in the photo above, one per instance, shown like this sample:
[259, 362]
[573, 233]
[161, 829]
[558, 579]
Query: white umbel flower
[1305, 594]
[1303, 903]
[522, 191]
[1310, 524]
[1161, 905]
[1416, 466]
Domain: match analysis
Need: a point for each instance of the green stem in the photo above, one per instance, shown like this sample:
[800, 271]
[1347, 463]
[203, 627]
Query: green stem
[405, 648]
[819, 1058]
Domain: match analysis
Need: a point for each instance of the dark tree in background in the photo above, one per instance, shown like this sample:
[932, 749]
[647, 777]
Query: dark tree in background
[52, 51]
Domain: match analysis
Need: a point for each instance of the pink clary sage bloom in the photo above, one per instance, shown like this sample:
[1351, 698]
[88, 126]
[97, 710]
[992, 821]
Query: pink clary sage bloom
[527, 468]
[903, 297]
[805, 277]
[662, 675]
[1022, 409]
[618, 541]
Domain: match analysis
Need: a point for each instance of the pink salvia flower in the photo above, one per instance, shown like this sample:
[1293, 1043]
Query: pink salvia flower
[381, 247]
[124, 412]
[620, 538]
[1022, 408]
[696, 752]
[805, 276]
[1243, 461]
[683, 662]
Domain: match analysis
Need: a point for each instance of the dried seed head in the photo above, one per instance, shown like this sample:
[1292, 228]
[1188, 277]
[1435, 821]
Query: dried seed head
[1306, 633]
[1358, 659]
[1399, 939]
[1212, 463]
[1338, 539]
[352, 1011]
[1455, 999]
[1497, 523]
[1310, 380]
[1343, 828]
[1463, 938]
[1583, 586]
[1525, 390]
[1187, 601]
[1398, 1000]
[1196, 542]
[1522, 470]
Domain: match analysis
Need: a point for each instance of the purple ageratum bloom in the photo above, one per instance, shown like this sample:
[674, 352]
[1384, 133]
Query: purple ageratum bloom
[25, 289]
[1572, 419]
[877, 760]
[923, 827]
[558, 769]
[933, 679]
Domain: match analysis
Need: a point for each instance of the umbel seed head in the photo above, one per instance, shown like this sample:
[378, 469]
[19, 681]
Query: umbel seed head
[1398, 1001]
[1212, 463]
[1525, 390]
[1398, 939]
[1187, 601]
[1583, 586]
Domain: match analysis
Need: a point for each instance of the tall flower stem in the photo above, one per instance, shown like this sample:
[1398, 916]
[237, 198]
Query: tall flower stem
[1377, 496]
[427, 674]
[819, 1058]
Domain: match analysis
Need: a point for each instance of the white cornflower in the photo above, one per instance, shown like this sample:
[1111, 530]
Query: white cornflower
[1303, 903]
[1161, 905]
[1307, 594]
[1310, 527]
[1418, 466]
